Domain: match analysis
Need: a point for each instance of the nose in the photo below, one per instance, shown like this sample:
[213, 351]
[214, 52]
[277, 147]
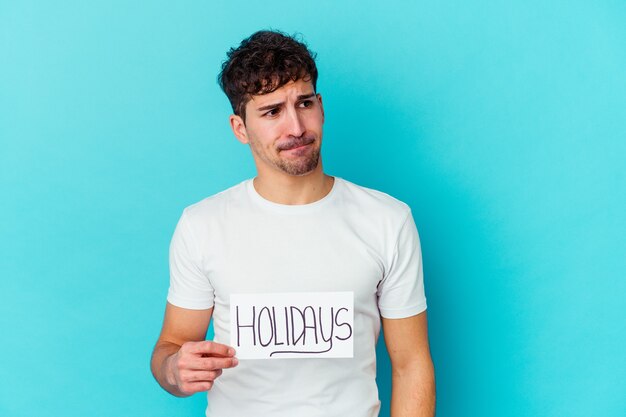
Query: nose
[295, 124]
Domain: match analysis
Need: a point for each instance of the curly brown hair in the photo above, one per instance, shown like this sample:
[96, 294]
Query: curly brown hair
[262, 63]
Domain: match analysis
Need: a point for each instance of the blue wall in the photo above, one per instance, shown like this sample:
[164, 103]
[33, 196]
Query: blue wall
[502, 124]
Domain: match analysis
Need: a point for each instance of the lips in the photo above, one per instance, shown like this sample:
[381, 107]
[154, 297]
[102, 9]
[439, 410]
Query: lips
[296, 144]
[296, 147]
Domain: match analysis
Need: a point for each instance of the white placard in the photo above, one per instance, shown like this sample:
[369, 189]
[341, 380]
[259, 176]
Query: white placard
[292, 325]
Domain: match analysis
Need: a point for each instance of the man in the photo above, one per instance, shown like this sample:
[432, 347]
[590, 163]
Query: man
[292, 233]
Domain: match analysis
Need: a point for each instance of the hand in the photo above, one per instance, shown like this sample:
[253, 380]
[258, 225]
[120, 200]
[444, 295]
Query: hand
[196, 365]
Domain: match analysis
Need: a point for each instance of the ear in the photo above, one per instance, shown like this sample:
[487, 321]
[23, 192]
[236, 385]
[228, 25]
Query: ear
[319, 98]
[239, 128]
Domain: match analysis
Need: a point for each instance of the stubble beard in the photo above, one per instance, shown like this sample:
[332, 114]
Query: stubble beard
[298, 166]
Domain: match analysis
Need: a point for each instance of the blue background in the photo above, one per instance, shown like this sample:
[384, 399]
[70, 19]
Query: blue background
[501, 123]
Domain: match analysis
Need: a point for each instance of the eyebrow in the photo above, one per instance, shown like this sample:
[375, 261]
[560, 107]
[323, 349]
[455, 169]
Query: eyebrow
[273, 106]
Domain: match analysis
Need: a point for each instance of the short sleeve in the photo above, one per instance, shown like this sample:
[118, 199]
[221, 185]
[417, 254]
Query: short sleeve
[401, 291]
[189, 286]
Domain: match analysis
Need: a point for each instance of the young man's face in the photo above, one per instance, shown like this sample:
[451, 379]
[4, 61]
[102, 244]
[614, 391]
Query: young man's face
[284, 129]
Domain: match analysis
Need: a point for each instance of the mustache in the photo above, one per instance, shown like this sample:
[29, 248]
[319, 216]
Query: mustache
[295, 142]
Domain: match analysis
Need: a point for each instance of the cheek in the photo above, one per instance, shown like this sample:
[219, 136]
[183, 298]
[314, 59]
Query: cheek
[268, 137]
[264, 142]
[316, 121]
[267, 134]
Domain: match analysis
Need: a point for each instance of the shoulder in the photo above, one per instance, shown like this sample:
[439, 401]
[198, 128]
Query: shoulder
[375, 202]
[215, 204]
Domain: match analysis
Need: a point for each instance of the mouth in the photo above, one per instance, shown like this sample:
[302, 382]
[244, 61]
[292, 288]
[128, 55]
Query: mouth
[296, 145]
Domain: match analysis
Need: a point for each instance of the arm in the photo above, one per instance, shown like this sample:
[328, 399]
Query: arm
[183, 362]
[413, 375]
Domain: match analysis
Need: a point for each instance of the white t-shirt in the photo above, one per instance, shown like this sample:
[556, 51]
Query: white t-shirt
[354, 239]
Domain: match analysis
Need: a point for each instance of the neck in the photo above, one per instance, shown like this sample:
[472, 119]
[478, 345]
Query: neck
[294, 190]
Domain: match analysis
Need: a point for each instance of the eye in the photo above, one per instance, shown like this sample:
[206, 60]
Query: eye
[272, 112]
[306, 103]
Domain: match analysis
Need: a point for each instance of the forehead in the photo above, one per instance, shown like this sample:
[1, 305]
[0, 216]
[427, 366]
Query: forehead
[292, 89]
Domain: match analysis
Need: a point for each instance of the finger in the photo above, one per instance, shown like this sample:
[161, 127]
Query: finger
[208, 376]
[211, 348]
[211, 363]
[193, 387]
